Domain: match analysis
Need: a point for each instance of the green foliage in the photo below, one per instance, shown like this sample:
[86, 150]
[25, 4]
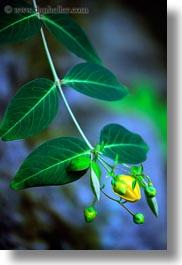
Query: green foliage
[136, 170]
[134, 184]
[95, 176]
[30, 111]
[95, 81]
[16, 27]
[69, 33]
[141, 102]
[130, 147]
[47, 165]
[66, 159]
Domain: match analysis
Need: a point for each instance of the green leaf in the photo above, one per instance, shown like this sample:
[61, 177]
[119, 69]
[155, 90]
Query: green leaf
[95, 176]
[16, 25]
[130, 147]
[79, 164]
[136, 170]
[66, 30]
[94, 81]
[134, 182]
[153, 205]
[47, 165]
[30, 111]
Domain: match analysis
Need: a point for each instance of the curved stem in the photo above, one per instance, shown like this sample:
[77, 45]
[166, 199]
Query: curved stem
[125, 171]
[104, 164]
[56, 78]
[57, 82]
[125, 165]
[94, 201]
[73, 117]
[130, 212]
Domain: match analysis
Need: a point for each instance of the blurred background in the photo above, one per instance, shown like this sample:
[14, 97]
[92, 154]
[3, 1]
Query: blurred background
[130, 37]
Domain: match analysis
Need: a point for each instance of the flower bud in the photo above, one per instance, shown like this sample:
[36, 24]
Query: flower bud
[122, 186]
[119, 187]
[150, 191]
[79, 164]
[90, 214]
[138, 218]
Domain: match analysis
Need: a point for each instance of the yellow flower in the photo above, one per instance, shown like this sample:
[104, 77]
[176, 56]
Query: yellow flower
[122, 186]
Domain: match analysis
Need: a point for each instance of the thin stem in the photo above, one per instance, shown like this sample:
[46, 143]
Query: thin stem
[102, 161]
[56, 78]
[130, 212]
[73, 117]
[125, 165]
[94, 201]
[125, 171]
[35, 6]
[106, 163]
[57, 81]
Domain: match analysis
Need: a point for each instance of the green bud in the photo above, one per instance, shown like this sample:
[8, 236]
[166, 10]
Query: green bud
[79, 163]
[150, 191]
[138, 218]
[90, 214]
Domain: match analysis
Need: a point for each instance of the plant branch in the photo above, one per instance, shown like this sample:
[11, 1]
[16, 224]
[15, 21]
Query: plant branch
[57, 81]
[73, 117]
[104, 164]
[130, 212]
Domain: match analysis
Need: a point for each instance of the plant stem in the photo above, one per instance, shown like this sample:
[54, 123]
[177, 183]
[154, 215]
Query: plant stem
[57, 82]
[130, 212]
[56, 78]
[73, 118]
[104, 164]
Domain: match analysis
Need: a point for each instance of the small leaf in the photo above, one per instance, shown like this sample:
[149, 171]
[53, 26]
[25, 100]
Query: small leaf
[153, 205]
[94, 81]
[134, 184]
[95, 176]
[30, 111]
[66, 30]
[79, 164]
[17, 26]
[116, 161]
[47, 165]
[136, 170]
[130, 147]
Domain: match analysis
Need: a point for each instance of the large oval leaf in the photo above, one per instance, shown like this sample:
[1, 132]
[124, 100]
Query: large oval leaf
[95, 81]
[69, 33]
[47, 165]
[30, 111]
[16, 23]
[117, 140]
